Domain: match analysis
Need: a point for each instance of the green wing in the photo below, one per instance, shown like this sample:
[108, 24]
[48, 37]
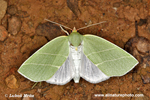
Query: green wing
[43, 64]
[109, 58]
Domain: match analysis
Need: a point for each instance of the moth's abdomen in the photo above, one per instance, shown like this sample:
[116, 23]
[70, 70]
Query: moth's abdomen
[76, 56]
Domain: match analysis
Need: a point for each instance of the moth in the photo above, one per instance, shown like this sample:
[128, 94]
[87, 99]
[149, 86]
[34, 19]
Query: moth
[71, 57]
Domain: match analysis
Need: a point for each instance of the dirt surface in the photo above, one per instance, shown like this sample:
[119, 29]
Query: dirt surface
[23, 30]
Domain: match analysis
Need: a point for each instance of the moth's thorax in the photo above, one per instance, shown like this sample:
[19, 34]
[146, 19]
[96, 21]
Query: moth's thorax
[75, 38]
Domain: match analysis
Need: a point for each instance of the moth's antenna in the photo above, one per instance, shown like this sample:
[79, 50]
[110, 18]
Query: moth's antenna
[58, 24]
[91, 25]
[64, 30]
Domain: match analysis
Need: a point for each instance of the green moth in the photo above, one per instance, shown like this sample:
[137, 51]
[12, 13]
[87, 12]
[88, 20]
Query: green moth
[71, 57]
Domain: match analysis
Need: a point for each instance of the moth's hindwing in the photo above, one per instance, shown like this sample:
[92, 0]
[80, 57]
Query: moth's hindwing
[90, 72]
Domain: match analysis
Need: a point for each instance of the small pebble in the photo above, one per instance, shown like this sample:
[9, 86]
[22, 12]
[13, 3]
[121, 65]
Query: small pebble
[14, 25]
[12, 10]
[146, 79]
[11, 82]
[3, 33]
[143, 45]
[39, 90]
[3, 7]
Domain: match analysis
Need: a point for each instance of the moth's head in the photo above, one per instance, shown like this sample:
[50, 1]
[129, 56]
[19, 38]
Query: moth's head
[75, 38]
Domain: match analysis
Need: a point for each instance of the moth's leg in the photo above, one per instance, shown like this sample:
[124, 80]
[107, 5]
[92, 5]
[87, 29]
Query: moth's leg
[35, 85]
[64, 30]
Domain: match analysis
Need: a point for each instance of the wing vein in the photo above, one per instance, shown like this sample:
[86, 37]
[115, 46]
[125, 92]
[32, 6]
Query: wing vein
[100, 51]
[53, 54]
[42, 64]
[112, 60]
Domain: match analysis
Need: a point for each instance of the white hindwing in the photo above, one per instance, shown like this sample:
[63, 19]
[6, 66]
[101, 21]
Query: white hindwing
[64, 74]
[90, 72]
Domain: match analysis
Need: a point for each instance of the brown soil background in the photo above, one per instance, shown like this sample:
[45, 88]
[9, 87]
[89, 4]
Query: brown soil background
[34, 32]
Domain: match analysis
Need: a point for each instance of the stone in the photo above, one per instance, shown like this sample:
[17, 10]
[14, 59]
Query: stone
[3, 7]
[14, 25]
[48, 30]
[11, 82]
[3, 33]
[12, 10]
